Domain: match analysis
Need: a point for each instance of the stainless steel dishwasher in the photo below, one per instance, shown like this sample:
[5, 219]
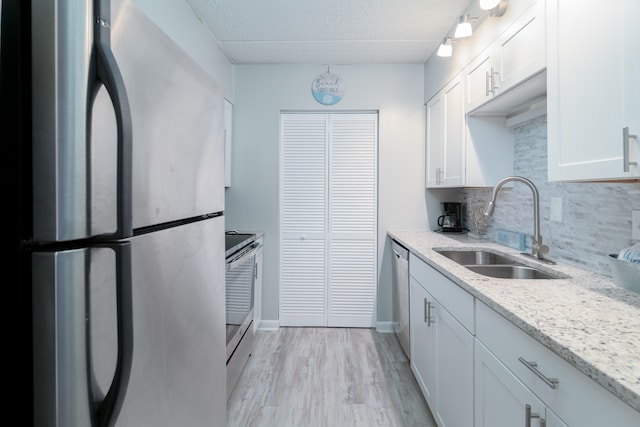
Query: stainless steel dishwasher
[400, 295]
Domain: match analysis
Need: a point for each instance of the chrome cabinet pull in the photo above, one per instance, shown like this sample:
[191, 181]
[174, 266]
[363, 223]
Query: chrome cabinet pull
[533, 367]
[626, 136]
[427, 313]
[494, 76]
[439, 172]
[430, 321]
[487, 82]
[529, 415]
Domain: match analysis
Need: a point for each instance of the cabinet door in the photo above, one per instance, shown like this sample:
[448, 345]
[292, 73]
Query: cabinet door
[423, 341]
[446, 136]
[454, 373]
[434, 138]
[520, 50]
[592, 58]
[454, 133]
[501, 400]
[479, 78]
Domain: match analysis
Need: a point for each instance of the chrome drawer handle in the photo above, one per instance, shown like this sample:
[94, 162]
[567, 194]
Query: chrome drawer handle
[533, 367]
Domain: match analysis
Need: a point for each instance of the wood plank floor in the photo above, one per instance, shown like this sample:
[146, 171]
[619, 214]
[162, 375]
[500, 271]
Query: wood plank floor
[338, 377]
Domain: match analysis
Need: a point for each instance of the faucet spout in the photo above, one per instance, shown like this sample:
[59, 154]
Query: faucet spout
[537, 248]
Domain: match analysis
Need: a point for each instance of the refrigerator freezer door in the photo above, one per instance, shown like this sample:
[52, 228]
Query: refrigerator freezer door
[177, 121]
[61, 46]
[178, 124]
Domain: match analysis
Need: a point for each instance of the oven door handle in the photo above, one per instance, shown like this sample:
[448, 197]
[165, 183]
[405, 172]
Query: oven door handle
[239, 259]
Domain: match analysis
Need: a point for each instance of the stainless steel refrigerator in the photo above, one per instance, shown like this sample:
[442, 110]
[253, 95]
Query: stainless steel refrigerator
[127, 252]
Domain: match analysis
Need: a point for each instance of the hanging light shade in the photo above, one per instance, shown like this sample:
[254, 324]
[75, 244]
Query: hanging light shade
[497, 7]
[446, 47]
[464, 27]
[488, 4]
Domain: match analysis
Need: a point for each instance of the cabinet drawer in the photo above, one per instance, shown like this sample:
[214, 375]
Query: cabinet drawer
[457, 301]
[577, 399]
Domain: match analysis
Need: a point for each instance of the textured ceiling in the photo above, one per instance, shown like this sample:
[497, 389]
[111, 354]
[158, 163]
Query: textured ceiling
[328, 31]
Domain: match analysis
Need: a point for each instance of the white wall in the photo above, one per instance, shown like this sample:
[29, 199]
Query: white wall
[262, 91]
[178, 20]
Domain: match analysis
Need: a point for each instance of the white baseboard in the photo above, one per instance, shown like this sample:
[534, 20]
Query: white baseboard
[274, 325]
[384, 327]
[269, 325]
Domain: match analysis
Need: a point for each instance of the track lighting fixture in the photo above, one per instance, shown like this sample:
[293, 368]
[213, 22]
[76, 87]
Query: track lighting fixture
[464, 27]
[496, 8]
[446, 47]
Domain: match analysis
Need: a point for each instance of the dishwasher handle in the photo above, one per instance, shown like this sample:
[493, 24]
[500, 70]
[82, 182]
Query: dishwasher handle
[399, 251]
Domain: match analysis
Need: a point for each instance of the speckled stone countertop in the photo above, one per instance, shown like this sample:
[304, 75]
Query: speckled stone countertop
[585, 319]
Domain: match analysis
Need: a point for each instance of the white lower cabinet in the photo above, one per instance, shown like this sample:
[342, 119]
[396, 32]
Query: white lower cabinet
[562, 388]
[423, 338]
[501, 400]
[441, 347]
[477, 368]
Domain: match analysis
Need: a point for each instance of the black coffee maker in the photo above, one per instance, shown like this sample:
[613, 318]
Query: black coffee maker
[451, 219]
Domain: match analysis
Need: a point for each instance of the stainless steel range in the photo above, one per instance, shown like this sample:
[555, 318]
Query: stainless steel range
[239, 282]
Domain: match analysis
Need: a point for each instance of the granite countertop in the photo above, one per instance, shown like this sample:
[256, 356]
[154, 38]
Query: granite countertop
[585, 319]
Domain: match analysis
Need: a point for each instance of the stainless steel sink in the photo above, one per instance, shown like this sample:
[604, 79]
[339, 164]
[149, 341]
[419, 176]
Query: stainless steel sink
[476, 257]
[511, 272]
[495, 265]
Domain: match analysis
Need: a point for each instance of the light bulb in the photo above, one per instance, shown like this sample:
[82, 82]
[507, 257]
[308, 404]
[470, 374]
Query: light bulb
[464, 27]
[446, 48]
[488, 4]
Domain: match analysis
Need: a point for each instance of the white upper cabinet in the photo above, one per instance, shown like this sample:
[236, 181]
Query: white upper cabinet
[515, 56]
[593, 91]
[480, 75]
[446, 136]
[520, 51]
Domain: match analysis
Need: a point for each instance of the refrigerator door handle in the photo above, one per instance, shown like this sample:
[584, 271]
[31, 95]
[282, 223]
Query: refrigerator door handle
[107, 410]
[108, 74]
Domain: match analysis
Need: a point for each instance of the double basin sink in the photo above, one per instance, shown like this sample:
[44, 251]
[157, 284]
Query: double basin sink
[495, 265]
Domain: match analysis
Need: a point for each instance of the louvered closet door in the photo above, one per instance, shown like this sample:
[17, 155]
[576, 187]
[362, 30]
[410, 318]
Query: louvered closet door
[303, 205]
[352, 220]
[328, 219]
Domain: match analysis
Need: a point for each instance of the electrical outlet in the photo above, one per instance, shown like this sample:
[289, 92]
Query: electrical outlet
[635, 225]
[556, 209]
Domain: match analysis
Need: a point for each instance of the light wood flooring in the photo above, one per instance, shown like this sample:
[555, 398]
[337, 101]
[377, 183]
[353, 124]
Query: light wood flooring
[321, 377]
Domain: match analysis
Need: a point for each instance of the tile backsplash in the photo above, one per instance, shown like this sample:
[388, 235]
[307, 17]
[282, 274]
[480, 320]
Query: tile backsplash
[596, 217]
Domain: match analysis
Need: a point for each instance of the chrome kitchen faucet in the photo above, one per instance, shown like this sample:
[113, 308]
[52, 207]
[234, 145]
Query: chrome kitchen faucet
[537, 248]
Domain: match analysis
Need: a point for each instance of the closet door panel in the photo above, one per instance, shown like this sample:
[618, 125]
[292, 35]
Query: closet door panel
[352, 220]
[303, 209]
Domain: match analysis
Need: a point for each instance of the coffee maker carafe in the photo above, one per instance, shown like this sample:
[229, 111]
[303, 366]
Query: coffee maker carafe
[451, 219]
